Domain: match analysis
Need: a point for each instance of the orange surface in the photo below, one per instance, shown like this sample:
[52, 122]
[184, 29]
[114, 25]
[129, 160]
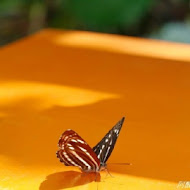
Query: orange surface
[55, 80]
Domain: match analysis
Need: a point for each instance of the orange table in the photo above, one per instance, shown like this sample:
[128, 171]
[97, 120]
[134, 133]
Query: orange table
[55, 80]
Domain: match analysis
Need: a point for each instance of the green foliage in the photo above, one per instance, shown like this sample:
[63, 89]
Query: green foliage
[141, 17]
[102, 15]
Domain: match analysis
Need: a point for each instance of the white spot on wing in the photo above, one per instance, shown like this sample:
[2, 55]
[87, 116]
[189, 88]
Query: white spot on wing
[106, 153]
[79, 158]
[80, 141]
[99, 153]
[73, 140]
[90, 157]
[84, 150]
[71, 161]
[116, 131]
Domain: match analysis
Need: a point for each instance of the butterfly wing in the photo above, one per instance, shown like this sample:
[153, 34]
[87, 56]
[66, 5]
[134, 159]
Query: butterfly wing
[74, 151]
[105, 147]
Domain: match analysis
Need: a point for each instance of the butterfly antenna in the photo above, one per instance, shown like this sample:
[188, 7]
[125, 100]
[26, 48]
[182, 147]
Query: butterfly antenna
[120, 164]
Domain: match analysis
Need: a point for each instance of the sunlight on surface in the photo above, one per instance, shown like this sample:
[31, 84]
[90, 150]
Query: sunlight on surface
[18, 177]
[129, 45]
[49, 94]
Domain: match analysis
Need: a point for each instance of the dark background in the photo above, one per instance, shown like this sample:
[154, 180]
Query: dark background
[161, 19]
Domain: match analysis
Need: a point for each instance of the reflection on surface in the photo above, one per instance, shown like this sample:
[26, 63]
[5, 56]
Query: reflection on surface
[50, 94]
[67, 179]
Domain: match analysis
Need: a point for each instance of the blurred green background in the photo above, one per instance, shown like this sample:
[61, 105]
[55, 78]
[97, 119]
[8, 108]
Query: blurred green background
[161, 19]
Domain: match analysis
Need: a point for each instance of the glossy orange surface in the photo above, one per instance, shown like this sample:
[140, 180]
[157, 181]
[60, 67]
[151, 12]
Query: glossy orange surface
[55, 80]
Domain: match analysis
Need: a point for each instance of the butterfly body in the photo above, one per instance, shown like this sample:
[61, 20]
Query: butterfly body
[74, 151]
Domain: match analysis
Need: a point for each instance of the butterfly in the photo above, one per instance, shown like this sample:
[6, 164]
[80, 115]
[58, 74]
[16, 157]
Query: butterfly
[74, 151]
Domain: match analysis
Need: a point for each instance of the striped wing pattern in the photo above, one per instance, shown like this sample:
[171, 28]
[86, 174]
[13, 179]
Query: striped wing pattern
[105, 147]
[74, 151]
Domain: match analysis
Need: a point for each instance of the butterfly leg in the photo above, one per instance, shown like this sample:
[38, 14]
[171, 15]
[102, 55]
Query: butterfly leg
[108, 173]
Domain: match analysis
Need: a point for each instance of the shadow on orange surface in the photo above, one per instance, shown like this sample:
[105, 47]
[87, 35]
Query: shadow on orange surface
[68, 179]
[152, 93]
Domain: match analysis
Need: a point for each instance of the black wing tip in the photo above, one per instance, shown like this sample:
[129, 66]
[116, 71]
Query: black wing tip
[122, 119]
[119, 124]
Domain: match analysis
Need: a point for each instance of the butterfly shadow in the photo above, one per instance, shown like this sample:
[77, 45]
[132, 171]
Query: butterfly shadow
[68, 179]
